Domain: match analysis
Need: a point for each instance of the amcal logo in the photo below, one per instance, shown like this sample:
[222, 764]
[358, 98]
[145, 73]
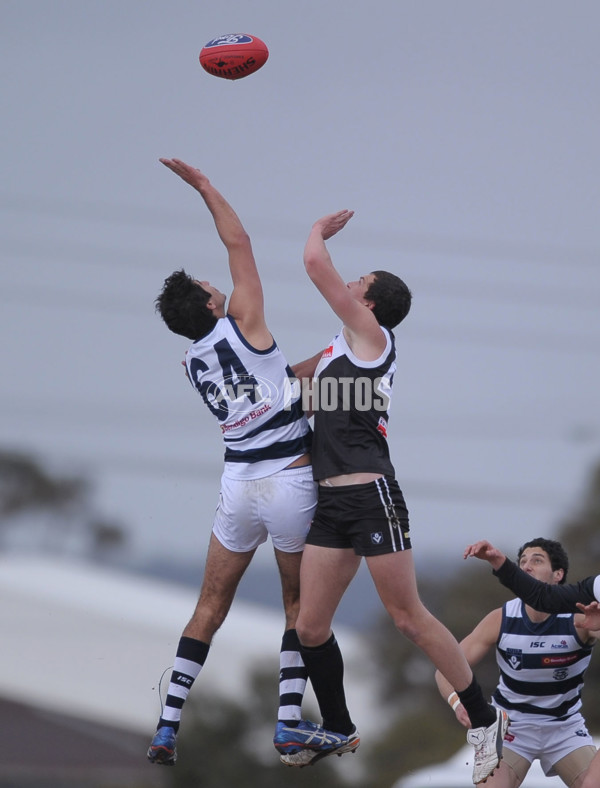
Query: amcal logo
[328, 352]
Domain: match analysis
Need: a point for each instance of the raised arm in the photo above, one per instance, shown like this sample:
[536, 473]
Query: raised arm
[485, 552]
[541, 596]
[364, 333]
[246, 304]
[545, 597]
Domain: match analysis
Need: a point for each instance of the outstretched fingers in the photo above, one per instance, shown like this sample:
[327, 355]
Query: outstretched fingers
[186, 172]
[591, 615]
[334, 222]
[479, 549]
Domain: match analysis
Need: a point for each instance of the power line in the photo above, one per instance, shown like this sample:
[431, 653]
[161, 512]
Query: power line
[527, 294]
[71, 412]
[50, 297]
[419, 243]
[202, 469]
[509, 338]
[101, 255]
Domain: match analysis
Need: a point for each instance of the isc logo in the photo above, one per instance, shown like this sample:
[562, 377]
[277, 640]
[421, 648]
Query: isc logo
[537, 644]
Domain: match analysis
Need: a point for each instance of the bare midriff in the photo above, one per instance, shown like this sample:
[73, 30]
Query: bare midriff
[349, 478]
[300, 462]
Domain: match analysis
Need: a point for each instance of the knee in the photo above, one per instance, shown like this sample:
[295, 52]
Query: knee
[309, 634]
[408, 623]
[208, 617]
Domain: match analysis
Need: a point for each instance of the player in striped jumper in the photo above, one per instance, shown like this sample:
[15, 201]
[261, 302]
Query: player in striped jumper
[266, 486]
[583, 596]
[542, 660]
[567, 598]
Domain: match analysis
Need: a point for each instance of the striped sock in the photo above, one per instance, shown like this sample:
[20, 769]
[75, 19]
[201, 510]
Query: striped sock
[292, 680]
[190, 657]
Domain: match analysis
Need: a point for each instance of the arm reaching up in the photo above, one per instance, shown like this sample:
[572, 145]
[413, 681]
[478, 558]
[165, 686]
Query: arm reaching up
[541, 596]
[361, 328]
[246, 304]
[486, 552]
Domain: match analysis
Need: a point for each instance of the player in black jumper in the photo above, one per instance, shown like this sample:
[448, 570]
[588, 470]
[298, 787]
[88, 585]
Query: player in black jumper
[361, 510]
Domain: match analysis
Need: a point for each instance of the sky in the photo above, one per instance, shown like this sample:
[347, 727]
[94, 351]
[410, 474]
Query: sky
[464, 135]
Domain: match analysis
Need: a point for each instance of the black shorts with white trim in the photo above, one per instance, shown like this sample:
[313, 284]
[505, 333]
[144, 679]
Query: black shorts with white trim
[371, 518]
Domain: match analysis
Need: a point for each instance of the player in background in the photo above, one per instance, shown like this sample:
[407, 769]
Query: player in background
[564, 599]
[583, 596]
[361, 509]
[266, 486]
[542, 660]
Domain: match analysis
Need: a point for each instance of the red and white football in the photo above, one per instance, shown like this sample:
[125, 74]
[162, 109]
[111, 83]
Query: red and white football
[234, 55]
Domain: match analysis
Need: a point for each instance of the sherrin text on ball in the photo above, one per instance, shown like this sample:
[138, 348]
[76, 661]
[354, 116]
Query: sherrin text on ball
[234, 55]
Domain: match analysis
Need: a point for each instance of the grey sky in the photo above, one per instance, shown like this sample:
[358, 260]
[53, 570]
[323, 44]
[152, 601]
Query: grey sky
[463, 134]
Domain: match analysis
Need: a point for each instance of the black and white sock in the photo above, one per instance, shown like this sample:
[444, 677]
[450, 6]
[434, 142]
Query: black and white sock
[189, 660]
[292, 680]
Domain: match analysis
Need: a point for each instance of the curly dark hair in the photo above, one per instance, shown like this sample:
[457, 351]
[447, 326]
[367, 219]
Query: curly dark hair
[391, 297]
[556, 553]
[182, 305]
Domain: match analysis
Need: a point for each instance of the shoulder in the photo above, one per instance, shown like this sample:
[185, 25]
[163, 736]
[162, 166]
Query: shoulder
[372, 347]
[254, 335]
[489, 627]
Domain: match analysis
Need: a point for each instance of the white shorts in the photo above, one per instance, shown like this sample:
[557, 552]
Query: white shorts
[546, 740]
[281, 505]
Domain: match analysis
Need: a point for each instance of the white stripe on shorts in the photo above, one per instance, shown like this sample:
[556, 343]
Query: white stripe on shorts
[389, 507]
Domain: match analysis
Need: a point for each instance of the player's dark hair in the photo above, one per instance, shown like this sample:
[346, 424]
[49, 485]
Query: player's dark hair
[556, 553]
[182, 305]
[391, 297]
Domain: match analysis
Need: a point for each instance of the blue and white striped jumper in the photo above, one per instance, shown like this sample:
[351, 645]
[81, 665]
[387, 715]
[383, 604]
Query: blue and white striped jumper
[252, 394]
[542, 665]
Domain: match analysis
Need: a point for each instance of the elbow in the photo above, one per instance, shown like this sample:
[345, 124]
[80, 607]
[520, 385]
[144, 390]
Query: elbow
[238, 242]
[311, 265]
[241, 239]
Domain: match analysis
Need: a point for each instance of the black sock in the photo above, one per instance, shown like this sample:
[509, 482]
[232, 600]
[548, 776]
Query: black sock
[326, 672]
[481, 713]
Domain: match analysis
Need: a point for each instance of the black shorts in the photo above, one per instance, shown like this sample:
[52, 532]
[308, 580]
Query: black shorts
[370, 518]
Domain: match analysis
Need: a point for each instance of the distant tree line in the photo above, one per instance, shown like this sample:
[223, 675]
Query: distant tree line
[53, 508]
[223, 743]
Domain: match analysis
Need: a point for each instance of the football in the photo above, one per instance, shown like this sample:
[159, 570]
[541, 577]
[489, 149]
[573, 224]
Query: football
[234, 55]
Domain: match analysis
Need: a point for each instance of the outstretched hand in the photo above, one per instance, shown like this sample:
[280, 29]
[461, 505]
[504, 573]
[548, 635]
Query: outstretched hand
[591, 615]
[332, 223]
[186, 172]
[486, 552]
